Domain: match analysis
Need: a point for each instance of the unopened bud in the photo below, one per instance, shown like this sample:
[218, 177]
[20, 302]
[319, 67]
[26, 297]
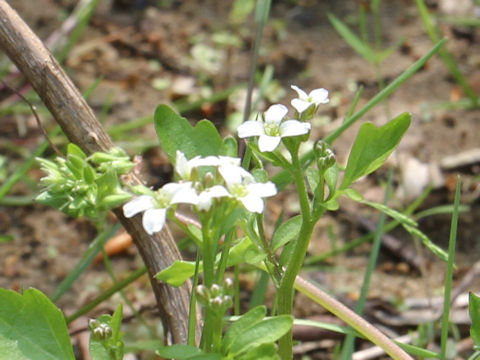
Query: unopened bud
[215, 290]
[228, 284]
[227, 301]
[209, 179]
[216, 302]
[203, 294]
[324, 155]
[93, 323]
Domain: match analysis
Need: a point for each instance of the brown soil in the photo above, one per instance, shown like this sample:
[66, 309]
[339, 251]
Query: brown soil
[133, 49]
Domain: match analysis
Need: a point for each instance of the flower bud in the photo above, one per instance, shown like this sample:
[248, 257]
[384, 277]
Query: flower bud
[216, 303]
[209, 179]
[324, 155]
[228, 284]
[227, 301]
[215, 290]
[203, 294]
[93, 323]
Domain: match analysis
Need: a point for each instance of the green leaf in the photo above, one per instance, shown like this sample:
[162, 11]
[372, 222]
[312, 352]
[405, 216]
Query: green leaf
[244, 322]
[313, 178]
[474, 309]
[229, 147]
[32, 327]
[372, 147]
[401, 218]
[426, 241]
[262, 352]
[245, 251]
[260, 175]
[286, 232]
[116, 322]
[179, 351]
[175, 133]
[73, 149]
[331, 178]
[98, 351]
[232, 219]
[177, 273]
[264, 332]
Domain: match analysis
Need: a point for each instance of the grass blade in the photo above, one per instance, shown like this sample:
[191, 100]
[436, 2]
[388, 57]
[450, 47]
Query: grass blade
[87, 258]
[444, 54]
[386, 92]
[449, 275]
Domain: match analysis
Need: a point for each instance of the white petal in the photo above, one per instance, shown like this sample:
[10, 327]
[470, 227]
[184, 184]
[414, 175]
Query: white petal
[216, 191]
[227, 160]
[206, 196]
[301, 94]
[181, 165]
[206, 161]
[250, 128]
[300, 105]
[185, 195]
[137, 205]
[204, 204]
[252, 203]
[173, 187]
[294, 128]
[275, 113]
[233, 174]
[268, 143]
[153, 220]
[262, 189]
[319, 96]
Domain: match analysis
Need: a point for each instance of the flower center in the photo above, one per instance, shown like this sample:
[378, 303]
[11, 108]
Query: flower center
[239, 190]
[162, 199]
[272, 129]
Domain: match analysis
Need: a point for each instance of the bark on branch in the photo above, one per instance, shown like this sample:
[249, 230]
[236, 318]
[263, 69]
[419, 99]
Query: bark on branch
[80, 125]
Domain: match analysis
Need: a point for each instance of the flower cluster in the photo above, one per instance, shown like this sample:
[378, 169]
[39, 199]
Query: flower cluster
[274, 127]
[84, 186]
[202, 181]
[217, 297]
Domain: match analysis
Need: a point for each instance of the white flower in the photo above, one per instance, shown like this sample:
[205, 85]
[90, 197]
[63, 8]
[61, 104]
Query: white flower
[272, 130]
[242, 186]
[214, 161]
[304, 101]
[184, 167]
[205, 198]
[155, 206]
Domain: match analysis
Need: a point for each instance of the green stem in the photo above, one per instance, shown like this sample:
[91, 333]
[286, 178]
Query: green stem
[285, 291]
[192, 314]
[208, 256]
[222, 265]
[270, 262]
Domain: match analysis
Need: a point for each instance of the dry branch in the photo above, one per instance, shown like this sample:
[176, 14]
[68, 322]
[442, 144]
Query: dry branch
[80, 125]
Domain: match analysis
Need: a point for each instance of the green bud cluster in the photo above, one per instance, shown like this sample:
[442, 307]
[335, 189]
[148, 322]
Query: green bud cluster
[84, 186]
[217, 297]
[324, 155]
[100, 330]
